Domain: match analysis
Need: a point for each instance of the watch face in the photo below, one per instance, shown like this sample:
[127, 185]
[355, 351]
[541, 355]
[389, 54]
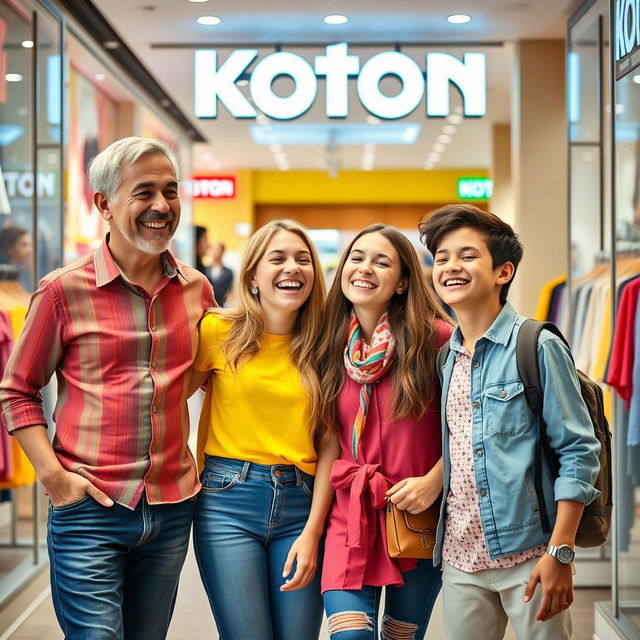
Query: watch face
[565, 554]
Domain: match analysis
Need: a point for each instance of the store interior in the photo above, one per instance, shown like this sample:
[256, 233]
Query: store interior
[543, 149]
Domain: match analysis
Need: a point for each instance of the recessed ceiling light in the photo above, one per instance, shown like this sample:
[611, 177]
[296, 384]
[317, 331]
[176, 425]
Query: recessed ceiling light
[459, 18]
[209, 20]
[444, 138]
[336, 19]
[636, 79]
[27, 44]
[99, 77]
[13, 77]
[449, 129]
[454, 118]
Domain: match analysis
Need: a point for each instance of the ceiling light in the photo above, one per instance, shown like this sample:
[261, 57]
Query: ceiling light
[439, 147]
[13, 77]
[454, 118]
[99, 77]
[209, 20]
[336, 19]
[459, 18]
[636, 79]
[444, 138]
[27, 44]
[449, 129]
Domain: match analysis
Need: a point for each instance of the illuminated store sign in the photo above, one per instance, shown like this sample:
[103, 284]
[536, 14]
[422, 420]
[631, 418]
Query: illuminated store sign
[215, 83]
[212, 187]
[627, 36]
[20, 184]
[475, 188]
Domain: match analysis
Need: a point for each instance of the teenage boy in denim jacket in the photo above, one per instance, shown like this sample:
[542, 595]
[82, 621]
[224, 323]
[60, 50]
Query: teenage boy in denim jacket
[490, 539]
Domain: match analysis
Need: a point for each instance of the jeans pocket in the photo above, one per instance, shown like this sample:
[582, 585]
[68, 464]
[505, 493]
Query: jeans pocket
[307, 485]
[218, 480]
[71, 505]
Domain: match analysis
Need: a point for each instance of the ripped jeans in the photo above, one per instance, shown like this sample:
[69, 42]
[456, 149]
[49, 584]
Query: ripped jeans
[353, 615]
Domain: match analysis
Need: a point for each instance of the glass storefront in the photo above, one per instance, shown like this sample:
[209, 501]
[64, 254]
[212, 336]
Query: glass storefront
[604, 214]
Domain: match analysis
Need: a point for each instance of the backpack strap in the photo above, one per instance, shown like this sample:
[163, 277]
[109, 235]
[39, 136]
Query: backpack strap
[441, 359]
[529, 371]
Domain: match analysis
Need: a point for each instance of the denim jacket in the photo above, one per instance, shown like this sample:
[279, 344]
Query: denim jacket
[504, 437]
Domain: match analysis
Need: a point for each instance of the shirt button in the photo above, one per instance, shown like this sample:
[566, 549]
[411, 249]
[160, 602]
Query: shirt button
[479, 453]
[503, 394]
[483, 492]
[476, 364]
[154, 409]
[476, 404]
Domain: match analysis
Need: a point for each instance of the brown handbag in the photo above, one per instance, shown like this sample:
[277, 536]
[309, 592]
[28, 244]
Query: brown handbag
[411, 535]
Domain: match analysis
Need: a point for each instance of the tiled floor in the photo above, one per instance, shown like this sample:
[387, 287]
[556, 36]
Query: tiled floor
[193, 621]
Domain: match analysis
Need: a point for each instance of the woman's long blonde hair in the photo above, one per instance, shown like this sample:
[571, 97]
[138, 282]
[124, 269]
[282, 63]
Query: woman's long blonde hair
[248, 322]
[413, 317]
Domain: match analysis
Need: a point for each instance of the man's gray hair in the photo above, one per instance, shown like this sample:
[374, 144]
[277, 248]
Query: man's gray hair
[105, 169]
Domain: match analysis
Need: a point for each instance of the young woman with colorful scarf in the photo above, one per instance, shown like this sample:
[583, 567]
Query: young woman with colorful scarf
[259, 519]
[380, 394]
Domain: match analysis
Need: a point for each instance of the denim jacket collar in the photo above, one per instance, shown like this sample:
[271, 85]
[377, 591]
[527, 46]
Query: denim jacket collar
[499, 331]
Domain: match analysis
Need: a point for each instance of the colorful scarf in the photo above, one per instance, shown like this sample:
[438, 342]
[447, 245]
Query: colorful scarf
[366, 370]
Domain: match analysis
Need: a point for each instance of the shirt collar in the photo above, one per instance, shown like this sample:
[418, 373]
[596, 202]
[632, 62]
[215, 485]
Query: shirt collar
[499, 331]
[107, 270]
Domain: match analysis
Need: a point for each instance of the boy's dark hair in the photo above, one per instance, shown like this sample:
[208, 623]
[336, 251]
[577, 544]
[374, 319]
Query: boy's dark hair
[502, 241]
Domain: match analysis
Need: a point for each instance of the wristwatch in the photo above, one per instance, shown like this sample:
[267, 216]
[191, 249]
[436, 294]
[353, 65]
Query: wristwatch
[564, 554]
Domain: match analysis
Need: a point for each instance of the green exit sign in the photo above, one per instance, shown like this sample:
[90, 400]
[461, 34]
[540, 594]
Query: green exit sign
[475, 188]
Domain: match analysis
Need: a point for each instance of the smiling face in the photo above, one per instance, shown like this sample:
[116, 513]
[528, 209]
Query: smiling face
[372, 274]
[463, 272]
[284, 274]
[145, 212]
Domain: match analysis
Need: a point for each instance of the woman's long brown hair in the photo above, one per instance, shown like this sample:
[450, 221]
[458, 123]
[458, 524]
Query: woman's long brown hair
[412, 316]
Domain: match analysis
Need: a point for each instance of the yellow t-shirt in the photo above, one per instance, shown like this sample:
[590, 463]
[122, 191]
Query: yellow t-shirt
[258, 413]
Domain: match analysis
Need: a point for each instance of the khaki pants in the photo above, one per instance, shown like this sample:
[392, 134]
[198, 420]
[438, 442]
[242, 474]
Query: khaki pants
[478, 605]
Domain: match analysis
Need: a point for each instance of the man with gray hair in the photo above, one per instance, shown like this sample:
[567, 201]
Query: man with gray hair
[119, 329]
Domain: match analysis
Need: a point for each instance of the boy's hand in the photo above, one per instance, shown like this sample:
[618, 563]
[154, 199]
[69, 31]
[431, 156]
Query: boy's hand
[415, 494]
[556, 581]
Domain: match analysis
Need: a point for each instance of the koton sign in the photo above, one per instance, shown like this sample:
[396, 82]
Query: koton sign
[212, 187]
[627, 36]
[217, 83]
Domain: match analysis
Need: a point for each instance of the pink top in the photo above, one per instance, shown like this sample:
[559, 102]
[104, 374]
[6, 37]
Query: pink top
[389, 451]
[463, 545]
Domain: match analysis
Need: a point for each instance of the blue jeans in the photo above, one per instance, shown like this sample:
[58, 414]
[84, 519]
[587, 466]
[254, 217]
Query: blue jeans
[353, 615]
[247, 517]
[114, 571]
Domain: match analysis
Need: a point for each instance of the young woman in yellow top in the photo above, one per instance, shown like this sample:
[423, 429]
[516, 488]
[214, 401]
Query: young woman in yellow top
[258, 518]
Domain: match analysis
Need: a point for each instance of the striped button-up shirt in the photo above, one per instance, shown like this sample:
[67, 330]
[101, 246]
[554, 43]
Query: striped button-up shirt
[122, 360]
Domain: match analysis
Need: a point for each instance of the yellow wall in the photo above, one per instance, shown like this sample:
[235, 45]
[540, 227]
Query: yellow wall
[358, 187]
[317, 187]
[221, 217]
